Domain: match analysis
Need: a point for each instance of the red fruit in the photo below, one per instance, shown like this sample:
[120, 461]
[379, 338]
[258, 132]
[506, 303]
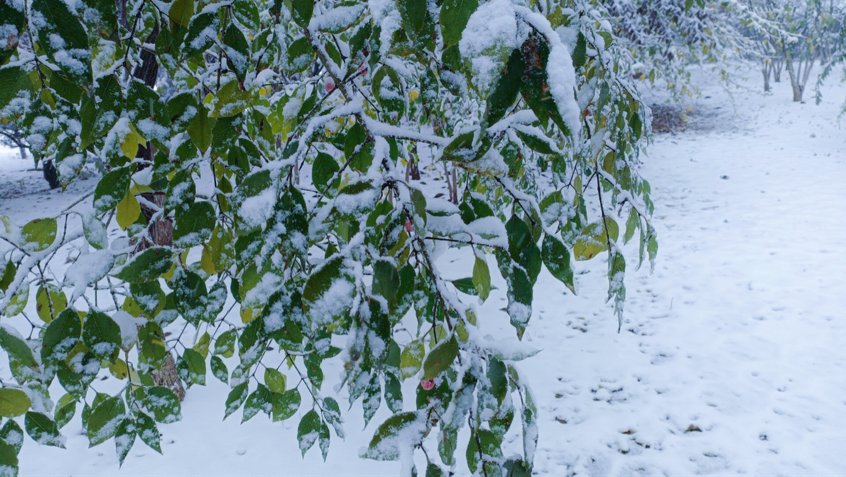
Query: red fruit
[427, 384]
[329, 86]
[586, 113]
[408, 225]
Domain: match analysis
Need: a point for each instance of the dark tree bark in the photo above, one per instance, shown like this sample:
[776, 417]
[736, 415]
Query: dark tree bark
[50, 174]
[160, 227]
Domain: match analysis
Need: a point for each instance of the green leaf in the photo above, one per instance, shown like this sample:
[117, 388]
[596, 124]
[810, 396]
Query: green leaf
[258, 401]
[12, 80]
[59, 23]
[285, 405]
[482, 278]
[95, 232]
[17, 303]
[39, 234]
[218, 368]
[307, 431]
[323, 438]
[519, 236]
[274, 380]
[417, 23]
[320, 282]
[181, 12]
[149, 296]
[153, 351]
[520, 295]
[534, 85]
[60, 337]
[12, 435]
[652, 247]
[411, 358]
[323, 169]
[385, 280]
[202, 345]
[453, 18]
[43, 430]
[224, 345]
[8, 275]
[161, 403]
[236, 398]
[465, 285]
[300, 55]
[230, 101]
[393, 393]
[194, 224]
[332, 415]
[124, 439]
[200, 129]
[536, 143]
[192, 367]
[147, 265]
[101, 335]
[517, 468]
[485, 443]
[15, 345]
[440, 358]
[302, 11]
[8, 459]
[557, 260]
[148, 432]
[580, 51]
[104, 419]
[64, 411]
[13, 402]
[507, 87]
[112, 188]
[181, 190]
[401, 429]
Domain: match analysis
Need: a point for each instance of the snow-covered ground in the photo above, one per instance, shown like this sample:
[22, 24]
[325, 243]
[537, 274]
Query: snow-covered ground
[732, 358]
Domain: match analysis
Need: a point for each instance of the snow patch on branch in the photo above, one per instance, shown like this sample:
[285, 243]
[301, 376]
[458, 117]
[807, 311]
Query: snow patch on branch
[559, 70]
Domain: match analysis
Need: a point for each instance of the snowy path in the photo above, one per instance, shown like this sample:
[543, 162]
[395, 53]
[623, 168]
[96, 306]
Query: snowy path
[732, 358]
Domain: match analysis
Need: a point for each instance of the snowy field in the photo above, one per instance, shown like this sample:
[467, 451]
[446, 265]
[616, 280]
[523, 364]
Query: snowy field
[732, 358]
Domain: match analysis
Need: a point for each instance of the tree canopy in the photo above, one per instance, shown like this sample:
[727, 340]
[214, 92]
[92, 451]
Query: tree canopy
[259, 217]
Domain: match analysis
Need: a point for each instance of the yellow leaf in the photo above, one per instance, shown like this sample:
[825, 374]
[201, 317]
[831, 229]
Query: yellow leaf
[207, 261]
[181, 12]
[132, 307]
[247, 315]
[130, 143]
[128, 210]
[119, 369]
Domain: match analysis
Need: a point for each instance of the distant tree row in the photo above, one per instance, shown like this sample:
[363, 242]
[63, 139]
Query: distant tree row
[792, 36]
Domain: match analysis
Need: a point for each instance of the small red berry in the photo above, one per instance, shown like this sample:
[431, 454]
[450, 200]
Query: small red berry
[329, 86]
[408, 225]
[427, 384]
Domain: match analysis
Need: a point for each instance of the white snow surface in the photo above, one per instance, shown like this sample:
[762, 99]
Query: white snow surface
[732, 355]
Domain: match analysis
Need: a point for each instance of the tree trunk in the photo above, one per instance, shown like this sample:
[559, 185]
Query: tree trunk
[795, 84]
[50, 174]
[168, 376]
[766, 68]
[161, 228]
[412, 171]
[778, 66]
